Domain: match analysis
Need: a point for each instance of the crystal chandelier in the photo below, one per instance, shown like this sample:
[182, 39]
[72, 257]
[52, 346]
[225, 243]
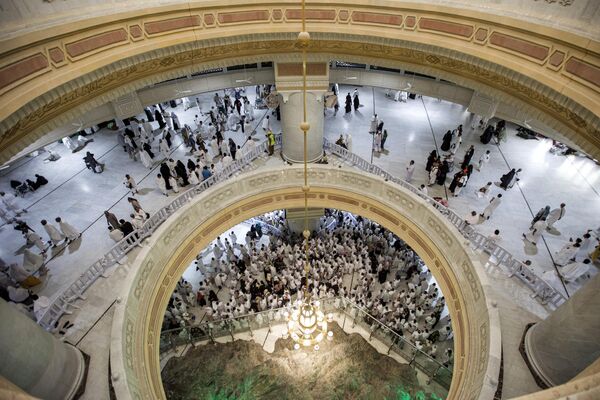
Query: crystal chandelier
[306, 323]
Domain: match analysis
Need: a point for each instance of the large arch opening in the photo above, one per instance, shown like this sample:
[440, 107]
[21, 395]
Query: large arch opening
[134, 354]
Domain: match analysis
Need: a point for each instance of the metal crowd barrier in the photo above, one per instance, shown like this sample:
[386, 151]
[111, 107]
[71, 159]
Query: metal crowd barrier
[498, 256]
[544, 292]
[64, 300]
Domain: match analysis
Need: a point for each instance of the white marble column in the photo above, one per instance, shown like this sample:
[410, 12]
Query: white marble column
[35, 360]
[292, 139]
[566, 342]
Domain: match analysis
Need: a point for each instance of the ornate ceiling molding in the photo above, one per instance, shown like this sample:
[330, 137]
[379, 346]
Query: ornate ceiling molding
[46, 75]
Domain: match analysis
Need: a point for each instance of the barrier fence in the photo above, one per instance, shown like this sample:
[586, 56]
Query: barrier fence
[498, 255]
[63, 301]
[541, 290]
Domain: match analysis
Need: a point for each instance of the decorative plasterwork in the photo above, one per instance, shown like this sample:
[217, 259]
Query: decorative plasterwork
[563, 3]
[138, 319]
[32, 77]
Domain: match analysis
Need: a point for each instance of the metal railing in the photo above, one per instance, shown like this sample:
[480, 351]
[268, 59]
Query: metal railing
[351, 313]
[497, 254]
[65, 299]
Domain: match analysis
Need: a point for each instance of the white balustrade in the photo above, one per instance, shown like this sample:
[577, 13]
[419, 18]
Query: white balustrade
[498, 255]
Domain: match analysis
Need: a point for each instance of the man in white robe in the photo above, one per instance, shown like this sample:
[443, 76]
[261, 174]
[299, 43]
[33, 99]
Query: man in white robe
[53, 233]
[566, 253]
[491, 207]
[556, 215]
[484, 159]
[536, 231]
[9, 202]
[410, 169]
[68, 230]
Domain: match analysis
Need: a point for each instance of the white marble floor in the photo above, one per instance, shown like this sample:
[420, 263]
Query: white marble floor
[417, 126]
[80, 197]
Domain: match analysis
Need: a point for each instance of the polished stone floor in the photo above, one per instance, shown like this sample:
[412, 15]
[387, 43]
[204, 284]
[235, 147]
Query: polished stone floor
[80, 197]
[416, 127]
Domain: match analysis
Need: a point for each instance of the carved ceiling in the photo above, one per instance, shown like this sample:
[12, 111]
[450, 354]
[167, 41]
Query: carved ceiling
[48, 76]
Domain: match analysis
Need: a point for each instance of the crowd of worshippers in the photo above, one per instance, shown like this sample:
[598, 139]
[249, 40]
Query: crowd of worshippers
[211, 152]
[390, 281]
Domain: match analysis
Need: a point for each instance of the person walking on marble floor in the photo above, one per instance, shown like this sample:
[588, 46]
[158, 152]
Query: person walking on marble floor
[163, 147]
[384, 137]
[37, 241]
[484, 159]
[446, 141]
[377, 142]
[53, 233]
[348, 140]
[507, 178]
[266, 124]
[356, 100]
[410, 169]
[456, 144]
[468, 156]
[130, 184]
[491, 207]
[535, 232]
[348, 104]
[433, 172]
[555, 215]
[270, 142]
[515, 178]
[161, 183]
[9, 202]
[433, 156]
[484, 190]
[176, 123]
[374, 123]
[111, 219]
[68, 230]
[542, 213]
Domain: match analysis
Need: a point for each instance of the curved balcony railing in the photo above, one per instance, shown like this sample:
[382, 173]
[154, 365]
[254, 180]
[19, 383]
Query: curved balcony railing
[348, 313]
[63, 300]
[543, 291]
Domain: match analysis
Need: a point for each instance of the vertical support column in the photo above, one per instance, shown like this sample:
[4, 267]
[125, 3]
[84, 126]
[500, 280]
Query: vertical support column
[292, 138]
[482, 105]
[565, 343]
[289, 82]
[35, 360]
[128, 105]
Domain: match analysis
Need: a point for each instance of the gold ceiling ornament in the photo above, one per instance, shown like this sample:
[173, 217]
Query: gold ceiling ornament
[306, 323]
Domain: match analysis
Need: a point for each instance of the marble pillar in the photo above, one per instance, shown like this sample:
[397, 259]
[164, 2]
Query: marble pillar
[568, 341]
[292, 139]
[35, 360]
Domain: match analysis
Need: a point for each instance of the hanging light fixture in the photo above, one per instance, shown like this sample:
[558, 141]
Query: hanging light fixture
[306, 323]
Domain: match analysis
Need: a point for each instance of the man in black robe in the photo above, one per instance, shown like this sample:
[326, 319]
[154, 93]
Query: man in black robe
[468, 156]
[507, 178]
[446, 141]
[165, 172]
